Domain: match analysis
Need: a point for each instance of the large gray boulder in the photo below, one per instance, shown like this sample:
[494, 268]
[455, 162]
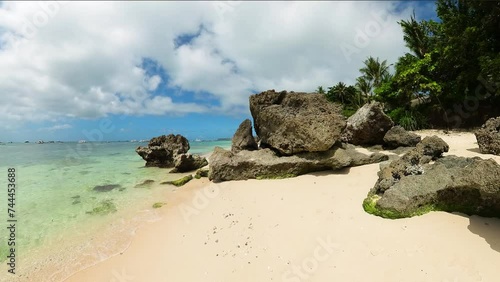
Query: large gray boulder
[292, 123]
[161, 151]
[243, 138]
[488, 137]
[188, 162]
[398, 137]
[451, 183]
[226, 165]
[367, 126]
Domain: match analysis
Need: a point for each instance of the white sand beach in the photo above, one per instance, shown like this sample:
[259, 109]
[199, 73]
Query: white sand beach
[309, 228]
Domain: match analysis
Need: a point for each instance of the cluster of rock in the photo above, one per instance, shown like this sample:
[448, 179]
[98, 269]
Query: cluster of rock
[488, 137]
[423, 180]
[169, 151]
[300, 133]
[297, 133]
[266, 164]
[371, 126]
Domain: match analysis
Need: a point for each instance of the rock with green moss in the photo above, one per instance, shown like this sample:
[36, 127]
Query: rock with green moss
[266, 164]
[275, 176]
[103, 208]
[414, 185]
[158, 205]
[179, 182]
[203, 172]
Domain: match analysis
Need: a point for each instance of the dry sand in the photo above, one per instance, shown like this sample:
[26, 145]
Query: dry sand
[310, 228]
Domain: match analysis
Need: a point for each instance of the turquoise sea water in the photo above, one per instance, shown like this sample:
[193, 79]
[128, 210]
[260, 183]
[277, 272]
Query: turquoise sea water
[55, 193]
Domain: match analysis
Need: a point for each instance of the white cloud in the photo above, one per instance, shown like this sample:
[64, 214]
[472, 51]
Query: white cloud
[83, 59]
[56, 127]
[153, 82]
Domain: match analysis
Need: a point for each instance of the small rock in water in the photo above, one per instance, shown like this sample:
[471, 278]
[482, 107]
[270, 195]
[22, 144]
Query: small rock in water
[106, 188]
[145, 183]
[103, 208]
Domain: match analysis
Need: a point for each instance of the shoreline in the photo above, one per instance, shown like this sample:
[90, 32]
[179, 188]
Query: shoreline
[271, 229]
[92, 242]
[77, 240]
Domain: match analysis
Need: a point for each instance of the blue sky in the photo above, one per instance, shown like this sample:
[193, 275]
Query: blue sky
[171, 67]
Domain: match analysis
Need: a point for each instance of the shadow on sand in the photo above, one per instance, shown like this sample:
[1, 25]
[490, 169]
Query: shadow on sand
[474, 150]
[487, 228]
[343, 171]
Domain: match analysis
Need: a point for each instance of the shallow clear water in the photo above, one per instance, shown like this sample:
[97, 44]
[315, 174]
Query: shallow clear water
[55, 186]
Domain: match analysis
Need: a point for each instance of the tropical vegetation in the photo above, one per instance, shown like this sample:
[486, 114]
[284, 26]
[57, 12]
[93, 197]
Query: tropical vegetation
[450, 76]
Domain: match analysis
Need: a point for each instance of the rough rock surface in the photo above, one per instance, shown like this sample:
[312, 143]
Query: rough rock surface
[243, 138]
[399, 137]
[451, 183]
[488, 137]
[430, 148]
[226, 165]
[292, 123]
[161, 151]
[367, 126]
[188, 162]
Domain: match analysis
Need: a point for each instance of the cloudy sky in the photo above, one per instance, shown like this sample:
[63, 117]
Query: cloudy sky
[145, 69]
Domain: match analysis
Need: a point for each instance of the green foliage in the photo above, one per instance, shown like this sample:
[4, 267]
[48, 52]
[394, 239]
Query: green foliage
[320, 90]
[374, 71]
[364, 87]
[409, 122]
[340, 93]
[348, 111]
[408, 119]
[448, 62]
[349, 96]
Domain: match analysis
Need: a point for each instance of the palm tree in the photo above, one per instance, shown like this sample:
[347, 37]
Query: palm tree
[415, 36]
[364, 87]
[320, 90]
[375, 71]
[341, 92]
[355, 96]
